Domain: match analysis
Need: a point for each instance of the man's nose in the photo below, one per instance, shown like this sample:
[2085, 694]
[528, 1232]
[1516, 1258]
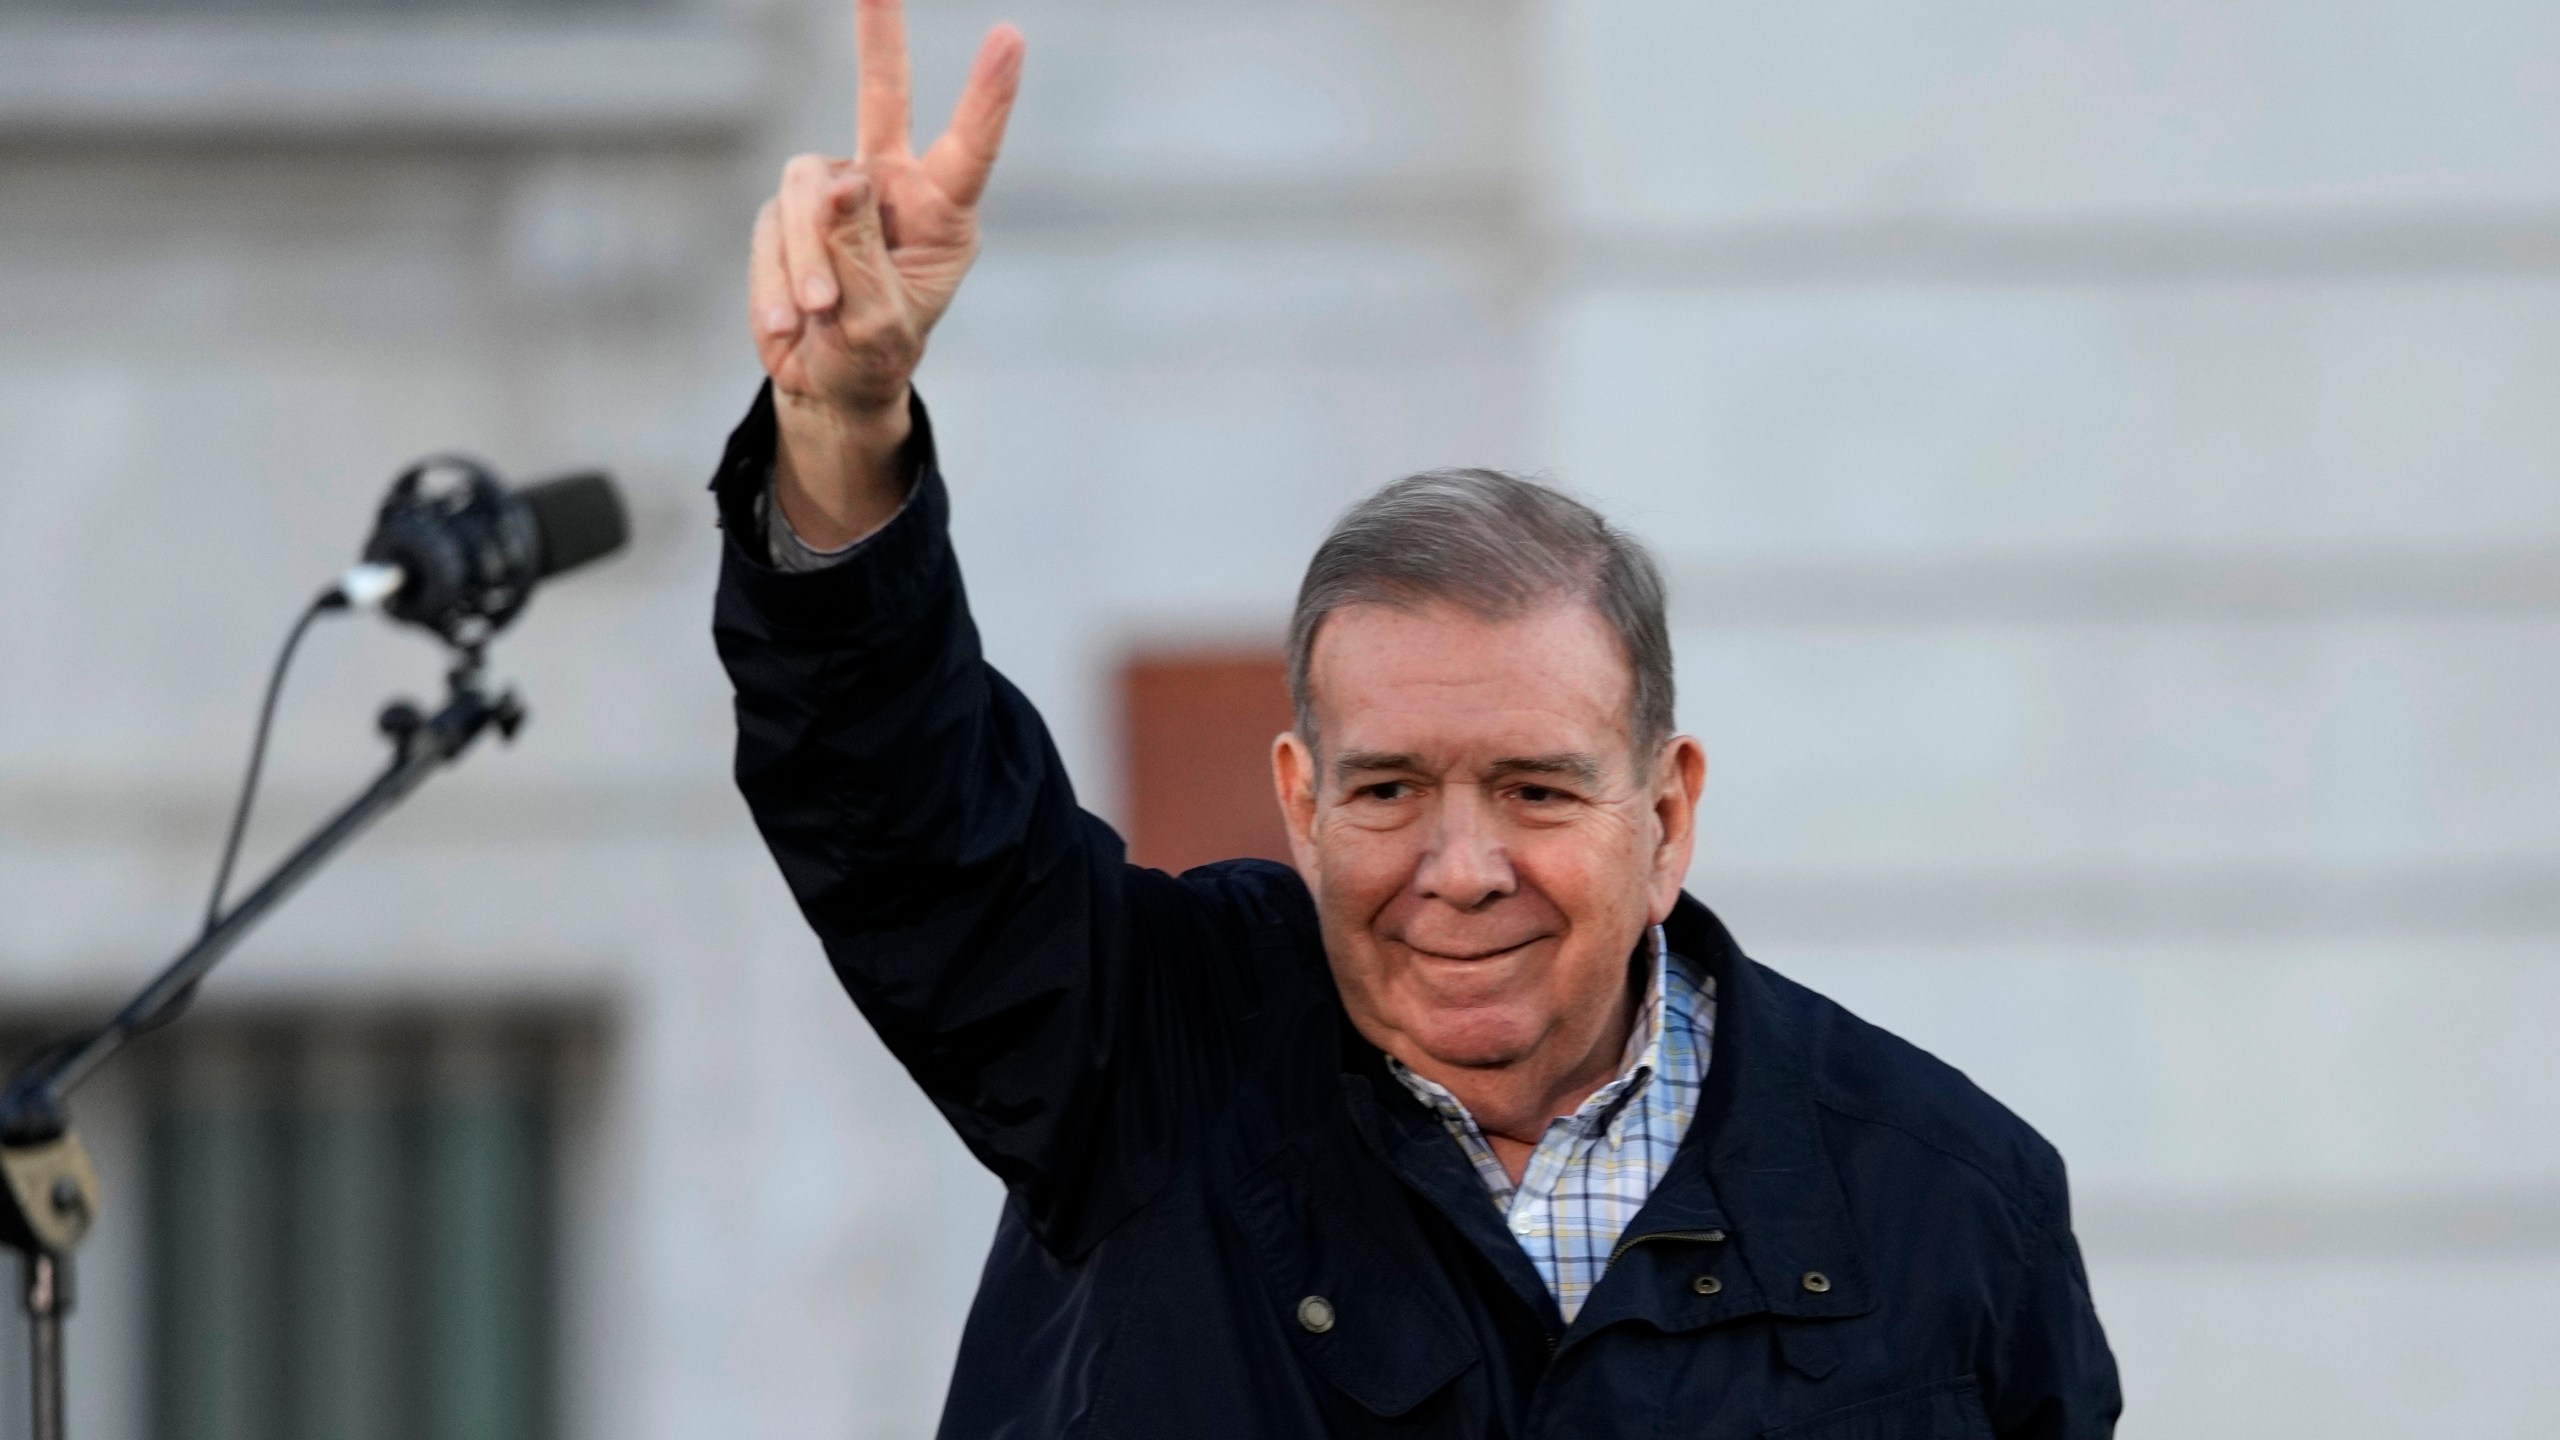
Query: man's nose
[1468, 863]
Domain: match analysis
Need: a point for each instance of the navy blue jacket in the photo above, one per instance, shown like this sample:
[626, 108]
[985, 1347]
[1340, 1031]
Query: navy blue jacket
[1853, 1243]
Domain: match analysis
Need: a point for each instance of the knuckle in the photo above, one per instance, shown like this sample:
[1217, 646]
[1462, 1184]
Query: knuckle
[885, 337]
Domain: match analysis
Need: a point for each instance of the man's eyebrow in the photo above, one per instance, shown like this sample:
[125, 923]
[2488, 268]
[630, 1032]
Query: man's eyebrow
[1354, 762]
[1572, 764]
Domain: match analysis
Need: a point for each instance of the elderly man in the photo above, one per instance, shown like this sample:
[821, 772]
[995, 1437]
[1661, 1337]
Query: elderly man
[1467, 1123]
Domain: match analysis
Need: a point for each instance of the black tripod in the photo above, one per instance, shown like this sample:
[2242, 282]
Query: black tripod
[52, 1193]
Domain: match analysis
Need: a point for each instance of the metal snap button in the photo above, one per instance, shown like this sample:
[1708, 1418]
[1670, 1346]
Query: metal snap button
[1706, 1285]
[1817, 1282]
[1316, 1313]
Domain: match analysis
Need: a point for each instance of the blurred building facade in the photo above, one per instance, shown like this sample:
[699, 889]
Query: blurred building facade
[2105, 459]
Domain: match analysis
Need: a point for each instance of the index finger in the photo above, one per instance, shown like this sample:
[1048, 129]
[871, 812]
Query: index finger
[880, 41]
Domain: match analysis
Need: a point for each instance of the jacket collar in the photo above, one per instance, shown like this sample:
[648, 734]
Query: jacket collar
[1400, 1130]
[1760, 1135]
[1751, 1202]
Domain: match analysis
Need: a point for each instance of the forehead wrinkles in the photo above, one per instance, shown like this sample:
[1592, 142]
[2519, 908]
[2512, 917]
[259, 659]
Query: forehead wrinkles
[1440, 693]
[1528, 659]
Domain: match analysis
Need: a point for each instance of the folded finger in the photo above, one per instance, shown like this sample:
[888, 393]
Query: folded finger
[961, 160]
[769, 304]
[805, 207]
[859, 249]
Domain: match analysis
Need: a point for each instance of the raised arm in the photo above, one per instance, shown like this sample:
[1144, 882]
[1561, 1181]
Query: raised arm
[854, 259]
[1070, 1014]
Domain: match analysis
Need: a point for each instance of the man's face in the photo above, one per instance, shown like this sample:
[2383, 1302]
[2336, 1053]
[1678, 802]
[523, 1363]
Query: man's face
[1484, 848]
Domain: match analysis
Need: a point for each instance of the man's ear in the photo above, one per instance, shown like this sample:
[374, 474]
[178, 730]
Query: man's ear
[1293, 778]
[1679, 778]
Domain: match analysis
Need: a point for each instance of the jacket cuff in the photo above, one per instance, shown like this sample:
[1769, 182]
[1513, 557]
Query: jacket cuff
[890, 575]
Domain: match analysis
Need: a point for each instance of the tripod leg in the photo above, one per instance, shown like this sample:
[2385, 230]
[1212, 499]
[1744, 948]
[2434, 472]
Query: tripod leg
[48, 1296]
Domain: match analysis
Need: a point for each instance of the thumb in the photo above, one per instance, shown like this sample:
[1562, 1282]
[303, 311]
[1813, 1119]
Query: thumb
[860, 248]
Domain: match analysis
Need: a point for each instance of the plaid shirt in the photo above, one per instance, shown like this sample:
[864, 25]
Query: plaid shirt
[1593, 1169]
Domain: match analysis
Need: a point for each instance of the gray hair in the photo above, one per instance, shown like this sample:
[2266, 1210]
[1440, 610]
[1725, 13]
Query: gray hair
[1496, 545]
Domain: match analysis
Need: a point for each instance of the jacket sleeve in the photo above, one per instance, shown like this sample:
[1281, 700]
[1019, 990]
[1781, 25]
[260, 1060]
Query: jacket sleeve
[1070, 1014]
[2058, 1378]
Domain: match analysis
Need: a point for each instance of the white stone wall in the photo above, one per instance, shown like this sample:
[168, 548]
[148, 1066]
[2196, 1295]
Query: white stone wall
[2103, 459]
[2110, 460]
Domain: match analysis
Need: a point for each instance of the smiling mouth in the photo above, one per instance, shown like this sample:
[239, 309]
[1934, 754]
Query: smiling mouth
[1479, 955]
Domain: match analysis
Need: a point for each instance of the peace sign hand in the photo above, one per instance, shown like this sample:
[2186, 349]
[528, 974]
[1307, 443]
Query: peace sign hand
[853, 262]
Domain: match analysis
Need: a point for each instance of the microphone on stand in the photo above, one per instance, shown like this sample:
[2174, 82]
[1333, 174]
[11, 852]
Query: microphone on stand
[462, 560]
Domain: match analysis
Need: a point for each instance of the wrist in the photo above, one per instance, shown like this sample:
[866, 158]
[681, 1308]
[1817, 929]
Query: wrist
[838, 473]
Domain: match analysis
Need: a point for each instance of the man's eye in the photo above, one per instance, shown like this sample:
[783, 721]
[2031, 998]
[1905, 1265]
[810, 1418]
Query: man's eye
[1538, 794]
[1384, 790]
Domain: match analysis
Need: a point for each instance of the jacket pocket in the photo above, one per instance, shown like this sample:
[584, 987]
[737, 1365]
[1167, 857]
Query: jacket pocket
[1360, 1308]
[1946, 1410]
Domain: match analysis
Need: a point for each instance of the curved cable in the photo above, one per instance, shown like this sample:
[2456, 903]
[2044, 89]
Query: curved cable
[330, 599]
